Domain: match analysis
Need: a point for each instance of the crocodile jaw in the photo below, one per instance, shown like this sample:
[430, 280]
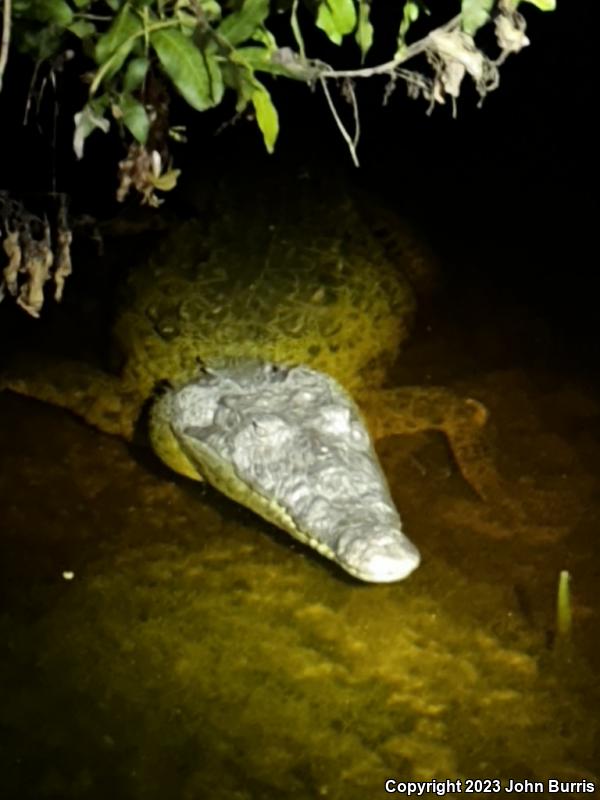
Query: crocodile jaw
[290, 444]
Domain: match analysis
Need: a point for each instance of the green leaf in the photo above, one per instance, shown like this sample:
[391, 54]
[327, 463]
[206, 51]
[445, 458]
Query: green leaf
[543, 5]
[259, 59]
[57, 11]
[135, 117]
[254, 55]
[336, 18]
[187, 20]
[265, 37]
[241, 25]
[244, 83]
[135, 74]
[82, 28]
[196, 75]
[42, 44]
[125, 25]
[266, 115]
[410, 14]
[474, 14]
[212, 9]
[166, 182]
[112, 65]
[364, 31]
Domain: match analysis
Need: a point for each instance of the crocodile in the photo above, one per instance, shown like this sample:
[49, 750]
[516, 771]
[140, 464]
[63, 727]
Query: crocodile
[278, 312]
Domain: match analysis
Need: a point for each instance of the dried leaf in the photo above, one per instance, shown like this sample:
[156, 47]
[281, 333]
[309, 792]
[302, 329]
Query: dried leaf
[86, 121]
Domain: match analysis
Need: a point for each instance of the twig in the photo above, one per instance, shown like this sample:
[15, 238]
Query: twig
[324, 72]
[296, 31]
[349, 90]
[5, 42]
[94, 17]
[32, 83]
[351, 144]
[389, 67]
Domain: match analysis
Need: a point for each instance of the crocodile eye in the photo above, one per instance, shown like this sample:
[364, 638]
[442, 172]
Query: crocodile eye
[201, 366]
[275, 371]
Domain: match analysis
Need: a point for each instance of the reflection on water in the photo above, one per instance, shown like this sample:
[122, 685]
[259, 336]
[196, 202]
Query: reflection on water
[197, 654]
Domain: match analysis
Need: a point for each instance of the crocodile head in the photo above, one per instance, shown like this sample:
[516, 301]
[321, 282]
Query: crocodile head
[289, 443]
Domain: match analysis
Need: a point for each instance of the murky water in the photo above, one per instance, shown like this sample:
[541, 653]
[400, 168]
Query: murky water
[158, 641]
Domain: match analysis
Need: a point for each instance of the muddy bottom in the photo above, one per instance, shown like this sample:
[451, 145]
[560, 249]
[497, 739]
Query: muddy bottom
[159, 642]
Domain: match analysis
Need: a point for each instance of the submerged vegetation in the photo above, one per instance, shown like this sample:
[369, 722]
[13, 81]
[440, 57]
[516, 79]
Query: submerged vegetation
[563, 607]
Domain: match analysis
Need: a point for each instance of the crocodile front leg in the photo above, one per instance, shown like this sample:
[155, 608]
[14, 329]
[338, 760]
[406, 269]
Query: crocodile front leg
[100, 399]
[412, 409]
[535, 514]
